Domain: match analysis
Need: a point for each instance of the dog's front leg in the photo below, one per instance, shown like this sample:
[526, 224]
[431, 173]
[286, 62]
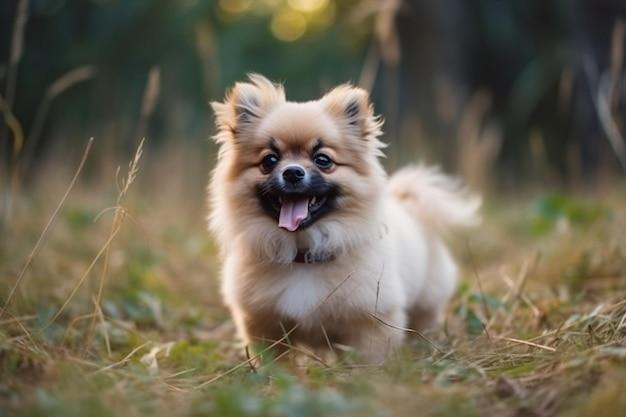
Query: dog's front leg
[379, 337]
[267, 334]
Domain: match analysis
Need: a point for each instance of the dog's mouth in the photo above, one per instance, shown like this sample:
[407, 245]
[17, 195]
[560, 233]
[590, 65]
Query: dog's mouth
[297, 211]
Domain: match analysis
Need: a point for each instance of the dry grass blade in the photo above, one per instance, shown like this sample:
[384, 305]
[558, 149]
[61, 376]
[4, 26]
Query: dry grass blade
[16, 51]
[300, 349]
[331, 293]
[14, 125]
[608, 123]
[151, 95]
[15, 319]
[406, 329]
[70, 326]
[83, 278]
[252, 367]
[608, 85]
[124, 360]
[384, 14]
[150, 98]
[63, 83]
[6, 206]
[478, 144]
[46, 228]
[28, 335]
[527, 343]
[327, 339]
[102, 320]
[370, 68]
[133, 169]
[6, 107]
[247, 361]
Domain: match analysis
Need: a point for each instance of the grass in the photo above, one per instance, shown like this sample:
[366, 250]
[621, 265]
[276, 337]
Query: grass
[537, 327]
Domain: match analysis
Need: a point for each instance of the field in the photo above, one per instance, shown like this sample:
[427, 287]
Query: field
[116, 311]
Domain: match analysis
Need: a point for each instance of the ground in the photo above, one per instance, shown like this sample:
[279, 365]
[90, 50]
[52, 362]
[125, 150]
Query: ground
[118, 313]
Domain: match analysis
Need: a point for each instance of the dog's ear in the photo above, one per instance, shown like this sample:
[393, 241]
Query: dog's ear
[351, 107]
[245, 105]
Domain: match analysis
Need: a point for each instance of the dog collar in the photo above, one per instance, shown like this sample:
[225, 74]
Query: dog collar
[306, 257]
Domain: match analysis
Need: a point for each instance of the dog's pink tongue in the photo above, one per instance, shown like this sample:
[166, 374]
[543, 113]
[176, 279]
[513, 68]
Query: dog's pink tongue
[292, 213]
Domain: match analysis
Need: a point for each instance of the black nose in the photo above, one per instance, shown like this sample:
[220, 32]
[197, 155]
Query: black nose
[294, 174]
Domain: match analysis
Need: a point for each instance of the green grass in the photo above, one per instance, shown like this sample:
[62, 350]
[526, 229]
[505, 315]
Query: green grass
[544, 334]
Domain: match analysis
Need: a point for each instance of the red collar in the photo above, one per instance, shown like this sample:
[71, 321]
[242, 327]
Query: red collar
[306, 257]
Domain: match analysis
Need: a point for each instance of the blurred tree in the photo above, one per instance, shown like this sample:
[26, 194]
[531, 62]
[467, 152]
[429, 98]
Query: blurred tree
[199, 46]
[424, 61]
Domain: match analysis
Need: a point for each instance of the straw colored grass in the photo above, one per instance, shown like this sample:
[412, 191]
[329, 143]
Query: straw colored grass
[537, 327]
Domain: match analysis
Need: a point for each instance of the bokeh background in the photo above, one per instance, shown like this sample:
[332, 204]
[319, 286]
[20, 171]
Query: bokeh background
[109, 280]
[505, 92]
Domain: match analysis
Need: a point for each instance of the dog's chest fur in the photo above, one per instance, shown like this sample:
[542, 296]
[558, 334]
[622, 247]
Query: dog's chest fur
[302, 291]
[308, 293]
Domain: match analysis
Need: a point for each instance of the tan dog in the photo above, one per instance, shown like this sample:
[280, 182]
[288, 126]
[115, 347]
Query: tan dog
[317, 242]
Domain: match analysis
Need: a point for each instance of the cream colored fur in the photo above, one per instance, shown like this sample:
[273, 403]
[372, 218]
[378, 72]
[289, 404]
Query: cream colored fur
[391, 270]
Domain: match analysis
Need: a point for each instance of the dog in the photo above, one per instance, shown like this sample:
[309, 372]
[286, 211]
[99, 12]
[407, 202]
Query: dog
[319, 246]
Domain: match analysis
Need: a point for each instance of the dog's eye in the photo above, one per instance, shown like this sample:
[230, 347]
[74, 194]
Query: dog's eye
[323, 161]
[269, 162]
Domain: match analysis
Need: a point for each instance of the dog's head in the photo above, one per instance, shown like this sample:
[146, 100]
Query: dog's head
[293, 174]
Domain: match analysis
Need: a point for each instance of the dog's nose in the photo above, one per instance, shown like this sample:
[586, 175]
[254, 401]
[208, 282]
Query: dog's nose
[293, 174]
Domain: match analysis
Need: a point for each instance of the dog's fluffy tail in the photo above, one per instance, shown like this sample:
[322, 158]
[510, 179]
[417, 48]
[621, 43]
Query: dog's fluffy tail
[438, 200]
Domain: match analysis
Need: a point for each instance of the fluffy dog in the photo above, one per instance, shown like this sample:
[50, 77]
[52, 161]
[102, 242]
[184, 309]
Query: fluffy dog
[319, 246]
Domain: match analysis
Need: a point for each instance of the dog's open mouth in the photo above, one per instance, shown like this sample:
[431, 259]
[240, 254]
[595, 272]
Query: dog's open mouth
[295, 212]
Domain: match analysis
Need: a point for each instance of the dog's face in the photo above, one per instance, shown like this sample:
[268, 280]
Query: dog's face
[296, 168]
